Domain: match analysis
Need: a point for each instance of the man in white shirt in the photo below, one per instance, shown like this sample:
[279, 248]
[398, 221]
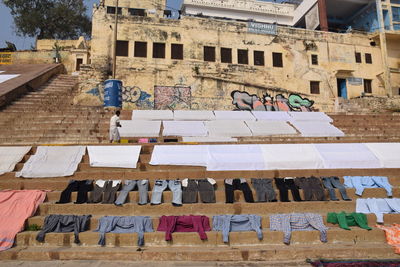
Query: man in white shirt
[114, 124]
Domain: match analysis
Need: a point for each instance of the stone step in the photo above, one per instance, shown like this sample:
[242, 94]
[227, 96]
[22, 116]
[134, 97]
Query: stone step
[240, 256]
[94, 222]
[214, 239]
[217, 208]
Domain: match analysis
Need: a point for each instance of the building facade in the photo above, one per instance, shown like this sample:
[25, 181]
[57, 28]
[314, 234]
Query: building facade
[209, 63]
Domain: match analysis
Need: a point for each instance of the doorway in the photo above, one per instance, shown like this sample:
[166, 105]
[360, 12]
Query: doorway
[79, 62]
[342, 88]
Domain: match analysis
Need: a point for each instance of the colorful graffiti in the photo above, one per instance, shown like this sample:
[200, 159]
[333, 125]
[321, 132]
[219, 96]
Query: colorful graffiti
[172, 97]
[134, 95]
[130, 95]
[245, 101]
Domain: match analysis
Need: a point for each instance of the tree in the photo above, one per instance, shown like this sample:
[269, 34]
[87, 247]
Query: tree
[50, 19]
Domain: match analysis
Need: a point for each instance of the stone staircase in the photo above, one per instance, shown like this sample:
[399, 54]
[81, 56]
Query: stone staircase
[243, 247]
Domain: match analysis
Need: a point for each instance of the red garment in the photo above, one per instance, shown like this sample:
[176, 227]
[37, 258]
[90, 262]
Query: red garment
[15, 207]
[170, 224]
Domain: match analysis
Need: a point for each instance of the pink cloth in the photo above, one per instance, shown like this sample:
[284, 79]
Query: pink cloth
[15, 207]
[170, 224]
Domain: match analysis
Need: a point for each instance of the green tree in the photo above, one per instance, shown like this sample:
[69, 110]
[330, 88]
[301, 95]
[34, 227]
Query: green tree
[50, 19]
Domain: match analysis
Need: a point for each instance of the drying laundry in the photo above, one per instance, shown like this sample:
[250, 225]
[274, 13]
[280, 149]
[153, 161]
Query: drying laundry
[348, 219]
[124, 224]
[129, 185]
[287, 223]
[333, 182]
[378, 206]
[312, 188]
[284, 185]
[161, 185]
[104, 191]
[362, 182]
[171, 224]
[114, 156]
[64, 224]
[10, 156]
[191, 188]
[237, 223]
[53, 161]
[237, 184]
[264, 189]
[15, 207]
[392, 236]
[82, 187]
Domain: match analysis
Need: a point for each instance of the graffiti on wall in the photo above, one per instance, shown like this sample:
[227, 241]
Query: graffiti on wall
[245, 101]
[172, 97]
[130, 95]
[134, 95]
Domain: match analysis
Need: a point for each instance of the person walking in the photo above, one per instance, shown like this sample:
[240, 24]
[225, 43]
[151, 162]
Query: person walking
[114, 124]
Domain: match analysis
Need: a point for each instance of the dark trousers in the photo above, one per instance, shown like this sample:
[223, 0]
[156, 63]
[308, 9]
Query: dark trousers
[110, 193]
[237, 185]
[264, 189]
[82, 187]
[333, 182]
[283, 186]
[312, 188]
[203, 186]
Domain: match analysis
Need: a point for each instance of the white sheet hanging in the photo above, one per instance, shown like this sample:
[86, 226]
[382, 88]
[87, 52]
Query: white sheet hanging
[208, 139]
[347, 156]
[309, 116]
[227, 128]
[267, 128]
[291, 157]
[235, 158]
[6, 77]
[387, 153]
[114, 156]
[234, 115]
[53, 161]
[10, 156]
[194, 115]
[317, 129]
[271, 115]
[184, 128]
[190, 155]
[152, 115]
[137, 128]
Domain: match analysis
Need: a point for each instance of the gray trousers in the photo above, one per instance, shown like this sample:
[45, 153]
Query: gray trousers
[64, 224]
[333, 182]
[130, 185]
[161, 185]
[203, 186]
[264, 189]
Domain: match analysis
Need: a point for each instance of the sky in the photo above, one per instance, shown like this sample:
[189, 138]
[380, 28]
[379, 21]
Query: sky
[7, 27]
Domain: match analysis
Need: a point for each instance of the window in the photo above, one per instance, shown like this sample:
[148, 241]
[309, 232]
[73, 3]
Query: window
[137, 12]
[259, 58]
[122, 48]
[177, 51]
[314, 59]
[140, 49]
[226, 55]
[209, 53]
[158, 50]
[358, 57]
[243, 56]
[314, 87]
[111, 10]
[368, 58]
[277, 60]
[396, 13]
[367, 86]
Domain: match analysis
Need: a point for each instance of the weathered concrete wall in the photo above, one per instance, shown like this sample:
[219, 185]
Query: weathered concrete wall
[212, 83]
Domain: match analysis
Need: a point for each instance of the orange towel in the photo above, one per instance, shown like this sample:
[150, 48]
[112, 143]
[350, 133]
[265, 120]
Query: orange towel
[392, 235]
[15, 207]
